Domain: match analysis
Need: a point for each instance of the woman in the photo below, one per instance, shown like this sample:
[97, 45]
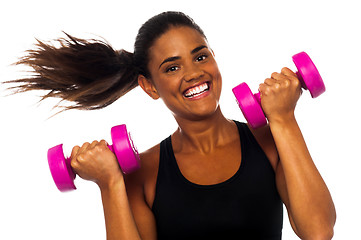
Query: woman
[213, 177]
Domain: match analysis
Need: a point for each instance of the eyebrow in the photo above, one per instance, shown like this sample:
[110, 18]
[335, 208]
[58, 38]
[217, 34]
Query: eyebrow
[171, 59]
[197, 49]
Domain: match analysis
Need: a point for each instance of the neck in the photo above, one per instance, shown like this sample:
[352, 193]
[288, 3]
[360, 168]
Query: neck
[203, 135]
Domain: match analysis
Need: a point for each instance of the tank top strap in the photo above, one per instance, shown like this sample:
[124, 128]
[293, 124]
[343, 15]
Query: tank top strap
[167, 169]
[165, 150]
[246, 135]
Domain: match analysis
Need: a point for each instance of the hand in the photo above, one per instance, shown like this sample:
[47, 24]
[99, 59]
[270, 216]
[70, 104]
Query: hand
[95, 162]
[279, 95]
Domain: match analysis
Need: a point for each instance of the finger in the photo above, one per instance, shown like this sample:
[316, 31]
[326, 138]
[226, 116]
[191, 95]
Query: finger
[288, 72]
[278, 76]
[270, 81]
[263, 89]
[292, 77]
[104, 144]
[73, 157]
[286, 78]
[74, 151]
[93, 144]
[83, 148]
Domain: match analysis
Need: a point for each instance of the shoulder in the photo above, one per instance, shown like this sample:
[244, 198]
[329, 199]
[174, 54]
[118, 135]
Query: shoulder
[149, 161]
[264, 138]
[150, 153]
[144, 180]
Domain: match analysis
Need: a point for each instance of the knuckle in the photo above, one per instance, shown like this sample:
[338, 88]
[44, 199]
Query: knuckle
[267, 80]
[286, 83]
[96, 150]
[267, 90]
[74, 164]
[295, 82]
[81, 158]
[277, 86]
[103, 147]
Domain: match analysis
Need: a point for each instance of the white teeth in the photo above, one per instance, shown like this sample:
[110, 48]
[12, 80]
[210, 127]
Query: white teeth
[196, 90]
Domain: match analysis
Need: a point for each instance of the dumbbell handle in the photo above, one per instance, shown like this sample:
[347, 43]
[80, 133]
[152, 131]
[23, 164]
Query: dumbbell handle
[250, 103]
[306, 70]
[62, 162]
[123, 148]
[68, 159]
[303, 85]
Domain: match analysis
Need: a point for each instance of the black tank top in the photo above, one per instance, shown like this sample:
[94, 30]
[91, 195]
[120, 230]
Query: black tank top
[246, 206]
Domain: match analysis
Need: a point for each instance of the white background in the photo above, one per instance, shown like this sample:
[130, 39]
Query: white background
[251, 39]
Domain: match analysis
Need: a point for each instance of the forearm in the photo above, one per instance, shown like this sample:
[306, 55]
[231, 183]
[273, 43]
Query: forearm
[310, 202]
[119, 219]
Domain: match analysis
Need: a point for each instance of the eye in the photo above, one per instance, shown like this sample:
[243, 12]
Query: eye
[172, 69]
[201, 58]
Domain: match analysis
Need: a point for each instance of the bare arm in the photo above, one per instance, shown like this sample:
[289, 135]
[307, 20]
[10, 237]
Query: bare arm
[309, 203]
[119, 219]
[97, 163]
[305, 194]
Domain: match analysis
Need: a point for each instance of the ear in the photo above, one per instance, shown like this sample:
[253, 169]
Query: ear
[148, 87]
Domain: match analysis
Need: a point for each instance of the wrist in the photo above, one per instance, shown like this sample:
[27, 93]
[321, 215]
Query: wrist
[283, 125]
[284, 120]
[112, 183]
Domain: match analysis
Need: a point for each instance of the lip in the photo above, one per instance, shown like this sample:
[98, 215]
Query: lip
[201, 95]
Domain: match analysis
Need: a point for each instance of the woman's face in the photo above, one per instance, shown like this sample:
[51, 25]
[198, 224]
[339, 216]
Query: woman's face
[184, 73]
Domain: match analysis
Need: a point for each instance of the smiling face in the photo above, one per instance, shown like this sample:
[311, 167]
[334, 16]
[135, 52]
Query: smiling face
[184, 74]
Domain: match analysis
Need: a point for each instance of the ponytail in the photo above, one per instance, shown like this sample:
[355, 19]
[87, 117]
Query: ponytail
[88, 73]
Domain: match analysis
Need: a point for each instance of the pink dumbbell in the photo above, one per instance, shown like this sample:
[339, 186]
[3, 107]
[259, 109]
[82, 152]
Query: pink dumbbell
[123, 148]
[250, 103]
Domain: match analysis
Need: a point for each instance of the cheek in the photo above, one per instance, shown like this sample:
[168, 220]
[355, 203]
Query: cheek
[216, 76]
[219, 83]
[166, 87]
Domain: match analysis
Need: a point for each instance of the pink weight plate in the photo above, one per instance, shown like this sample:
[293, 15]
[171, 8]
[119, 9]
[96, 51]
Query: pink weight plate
[249, 106]
[311, 78]
[124, 149]
[60, 169]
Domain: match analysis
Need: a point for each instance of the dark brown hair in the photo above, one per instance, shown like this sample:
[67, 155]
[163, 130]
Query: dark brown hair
[90, 73]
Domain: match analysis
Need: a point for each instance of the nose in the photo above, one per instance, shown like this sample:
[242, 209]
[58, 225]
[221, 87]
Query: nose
[193, 72]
